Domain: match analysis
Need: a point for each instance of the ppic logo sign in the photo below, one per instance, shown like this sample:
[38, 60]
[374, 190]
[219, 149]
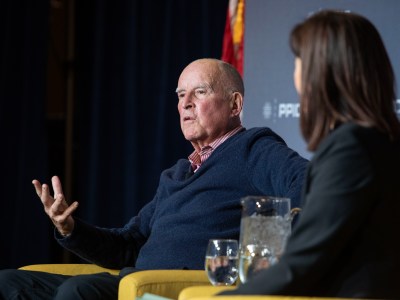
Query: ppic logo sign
[276, 110]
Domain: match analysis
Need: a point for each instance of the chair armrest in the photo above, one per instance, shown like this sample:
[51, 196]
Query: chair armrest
[69, 269]
[208, 292]
[166, 283]
[202, 291]
[259, 297]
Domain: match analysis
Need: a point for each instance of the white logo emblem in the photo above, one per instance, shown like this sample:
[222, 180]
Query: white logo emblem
[275, 110]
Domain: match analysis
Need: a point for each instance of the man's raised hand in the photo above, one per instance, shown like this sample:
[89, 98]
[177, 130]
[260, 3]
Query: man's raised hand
[56, 207]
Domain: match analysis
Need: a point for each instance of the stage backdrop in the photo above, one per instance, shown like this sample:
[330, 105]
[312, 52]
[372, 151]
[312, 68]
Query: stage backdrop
[271, 99]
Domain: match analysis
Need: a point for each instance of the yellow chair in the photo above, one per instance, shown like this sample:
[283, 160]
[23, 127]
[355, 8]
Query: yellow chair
[208, 292]
[173, 284]
[202, 292]
[69, 269]
[166, 283]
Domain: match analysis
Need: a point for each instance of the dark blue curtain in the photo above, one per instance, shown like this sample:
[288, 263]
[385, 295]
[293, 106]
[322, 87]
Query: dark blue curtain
[128, 57]
[24, 231]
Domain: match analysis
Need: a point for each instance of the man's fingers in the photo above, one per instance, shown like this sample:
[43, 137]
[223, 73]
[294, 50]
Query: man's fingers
[61, 216]
[60, 205]
[59, 199]
[38, 187]
[45, 197]
[43, 191]
[57, 208]
[55, 181]
[71, 209]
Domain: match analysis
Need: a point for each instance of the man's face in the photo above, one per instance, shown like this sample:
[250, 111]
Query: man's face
[205, 109]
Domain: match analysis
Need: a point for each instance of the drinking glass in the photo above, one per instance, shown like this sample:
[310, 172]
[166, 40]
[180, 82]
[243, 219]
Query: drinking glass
[221, 261]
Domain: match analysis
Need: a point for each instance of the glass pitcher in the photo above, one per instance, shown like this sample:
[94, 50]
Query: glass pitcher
[265, 227]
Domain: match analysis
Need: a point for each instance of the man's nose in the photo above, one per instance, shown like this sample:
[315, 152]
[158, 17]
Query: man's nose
[186, 102]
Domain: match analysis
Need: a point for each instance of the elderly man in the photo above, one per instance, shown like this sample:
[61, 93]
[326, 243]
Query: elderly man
[197, 199]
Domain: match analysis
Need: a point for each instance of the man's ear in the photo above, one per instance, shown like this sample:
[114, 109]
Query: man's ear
[236, 103]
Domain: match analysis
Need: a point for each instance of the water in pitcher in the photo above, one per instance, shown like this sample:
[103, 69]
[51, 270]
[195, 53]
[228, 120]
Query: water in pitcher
[263, 239]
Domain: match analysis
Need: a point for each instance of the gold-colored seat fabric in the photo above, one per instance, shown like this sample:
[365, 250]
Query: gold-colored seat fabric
[173, 284]
[208, 292]
[166, 283]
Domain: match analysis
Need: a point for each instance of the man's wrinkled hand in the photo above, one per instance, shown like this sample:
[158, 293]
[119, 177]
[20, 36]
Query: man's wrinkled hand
[56, 207]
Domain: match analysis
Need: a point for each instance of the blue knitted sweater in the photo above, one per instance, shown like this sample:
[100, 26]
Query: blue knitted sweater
[172, 231]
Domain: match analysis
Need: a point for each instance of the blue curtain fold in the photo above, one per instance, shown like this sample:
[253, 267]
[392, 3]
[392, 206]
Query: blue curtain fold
[24, 231]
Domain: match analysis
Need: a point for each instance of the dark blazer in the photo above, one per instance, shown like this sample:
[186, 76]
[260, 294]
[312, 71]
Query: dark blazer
[346, 242]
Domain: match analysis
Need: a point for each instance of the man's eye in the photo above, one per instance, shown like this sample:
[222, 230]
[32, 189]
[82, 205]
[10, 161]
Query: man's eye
[200, 92]
[181, 95]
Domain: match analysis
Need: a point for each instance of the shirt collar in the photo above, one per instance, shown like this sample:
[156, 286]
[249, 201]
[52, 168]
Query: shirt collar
[197, 158]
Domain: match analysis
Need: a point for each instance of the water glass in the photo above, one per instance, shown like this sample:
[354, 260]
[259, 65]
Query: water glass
[221, 261]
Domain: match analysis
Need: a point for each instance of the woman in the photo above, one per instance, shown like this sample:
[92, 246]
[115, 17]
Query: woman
[346, 242]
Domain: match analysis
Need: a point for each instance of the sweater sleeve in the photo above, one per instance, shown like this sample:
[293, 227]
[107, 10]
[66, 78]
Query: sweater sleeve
[274, 166]
[110, 247]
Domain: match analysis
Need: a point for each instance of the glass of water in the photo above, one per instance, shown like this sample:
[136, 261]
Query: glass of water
[221, 261]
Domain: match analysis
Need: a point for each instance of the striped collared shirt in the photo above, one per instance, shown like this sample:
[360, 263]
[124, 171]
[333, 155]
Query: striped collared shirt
[196, 159]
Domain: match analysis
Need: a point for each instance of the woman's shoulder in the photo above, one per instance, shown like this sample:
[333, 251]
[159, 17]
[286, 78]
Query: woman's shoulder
[354, 141]
[352, 134]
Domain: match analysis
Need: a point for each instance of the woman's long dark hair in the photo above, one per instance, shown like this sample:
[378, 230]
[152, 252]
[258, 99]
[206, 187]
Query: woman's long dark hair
[346, 75]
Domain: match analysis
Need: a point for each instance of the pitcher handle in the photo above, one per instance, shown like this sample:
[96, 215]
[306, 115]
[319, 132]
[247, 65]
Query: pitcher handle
[294, 211]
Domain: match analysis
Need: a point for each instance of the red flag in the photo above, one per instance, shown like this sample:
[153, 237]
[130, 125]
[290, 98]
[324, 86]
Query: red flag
[232, 47]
